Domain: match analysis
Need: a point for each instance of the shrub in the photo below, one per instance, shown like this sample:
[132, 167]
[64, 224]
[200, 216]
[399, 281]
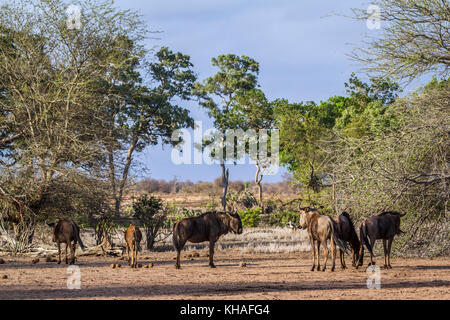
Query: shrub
[281, 218]
[250, 217]
[151, 213]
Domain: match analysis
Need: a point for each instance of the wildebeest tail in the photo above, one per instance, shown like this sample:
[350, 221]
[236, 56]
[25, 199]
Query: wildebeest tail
[138, 243]
[175, 236]
[363, 236]
[76, 231]
[337, 238]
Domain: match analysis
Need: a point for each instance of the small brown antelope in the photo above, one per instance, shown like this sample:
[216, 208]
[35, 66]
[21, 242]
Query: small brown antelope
[66, 231]
[384, 226]
[320, 229]
[133, 237]
[206, 227]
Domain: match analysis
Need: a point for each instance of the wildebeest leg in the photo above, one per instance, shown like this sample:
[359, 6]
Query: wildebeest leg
[385, 254]
[354, 262]
[318, 255]
[177, 263]
[333, 253]
[67, 246]
[313, 250]
[372, 244]
[179, 248]
[341, 256]
[211, 254]
[72, 252]
[131, 256]
[389, 251]
[128, 255]
[135, 254]
[59, 252]
[326, 252]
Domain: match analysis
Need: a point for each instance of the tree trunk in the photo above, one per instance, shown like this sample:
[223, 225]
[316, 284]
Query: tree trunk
[225, 177]
[258, 179]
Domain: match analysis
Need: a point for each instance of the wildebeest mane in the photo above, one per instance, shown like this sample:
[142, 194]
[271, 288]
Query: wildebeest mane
[389, 212]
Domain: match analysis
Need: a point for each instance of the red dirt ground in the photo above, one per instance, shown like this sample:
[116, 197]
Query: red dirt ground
[266, 277]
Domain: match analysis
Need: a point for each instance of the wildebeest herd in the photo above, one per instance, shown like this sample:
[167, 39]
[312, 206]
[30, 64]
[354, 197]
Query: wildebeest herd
[210, 226]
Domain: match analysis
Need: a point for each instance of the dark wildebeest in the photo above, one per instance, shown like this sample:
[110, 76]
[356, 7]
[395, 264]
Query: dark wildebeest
[206, 227]
[66, 231]
[347, 231]
[384, 226]
[320, 229]
[133, 237]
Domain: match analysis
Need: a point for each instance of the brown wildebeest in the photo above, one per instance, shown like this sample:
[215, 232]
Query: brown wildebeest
[384, 226]
[347, 231]
[66, 231]
[320, 229]
[206, 227]
[133, 237]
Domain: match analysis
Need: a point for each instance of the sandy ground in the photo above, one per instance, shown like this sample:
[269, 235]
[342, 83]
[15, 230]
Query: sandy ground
[266, 277]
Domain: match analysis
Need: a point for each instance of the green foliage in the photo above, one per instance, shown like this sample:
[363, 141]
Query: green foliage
[146, 208]
[307, 128]
[280, 218]
[219, 94]
[251, 217]
[152, 214]
[188, 213]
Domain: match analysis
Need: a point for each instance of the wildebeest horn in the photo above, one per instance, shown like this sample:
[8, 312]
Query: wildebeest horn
[50, 224]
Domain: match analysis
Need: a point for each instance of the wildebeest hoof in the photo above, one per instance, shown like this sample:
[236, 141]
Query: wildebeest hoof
[324, 268]
[332, 269]
[212, 266]
[313, 268]
[59, 262]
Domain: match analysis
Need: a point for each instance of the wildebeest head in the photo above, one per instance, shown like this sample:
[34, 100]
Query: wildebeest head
[53, 226]
[303, 219]
[235, 223]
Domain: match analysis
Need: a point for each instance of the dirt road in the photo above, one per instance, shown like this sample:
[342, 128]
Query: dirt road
[266, 277]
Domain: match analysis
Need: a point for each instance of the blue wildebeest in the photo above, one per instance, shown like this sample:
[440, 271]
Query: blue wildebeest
[65, 231]
[384, 226]
[206, 227]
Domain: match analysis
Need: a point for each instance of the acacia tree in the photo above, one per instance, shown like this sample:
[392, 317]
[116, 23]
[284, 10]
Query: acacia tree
[49, 124]
[404, 167]
[138, 115]
[252, 111]
[68, 94]
[218, 93]
[414, 40]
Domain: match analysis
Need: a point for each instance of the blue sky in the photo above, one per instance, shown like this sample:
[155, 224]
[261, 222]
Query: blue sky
[301, 46]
